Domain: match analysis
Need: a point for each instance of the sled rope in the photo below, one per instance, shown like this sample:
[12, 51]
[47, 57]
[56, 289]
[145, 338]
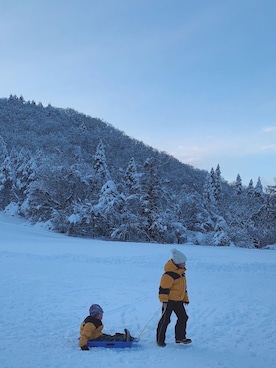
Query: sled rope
[141, 333]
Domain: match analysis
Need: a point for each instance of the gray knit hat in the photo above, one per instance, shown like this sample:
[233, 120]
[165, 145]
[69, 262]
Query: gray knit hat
[178, 257]
[95, 309]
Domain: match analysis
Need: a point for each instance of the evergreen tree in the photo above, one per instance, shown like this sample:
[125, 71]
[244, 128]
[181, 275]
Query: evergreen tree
[25, 173]
[3, 149]
[151, 202]
[110, 208]
[217, 183]
[258, 190]
[250, 188]
[6, 182]
[108, 196]
[209, 190]
[221, 237]
[238, 185]
[100, 165]
[271, 189]
[131, 177]
[130, 225]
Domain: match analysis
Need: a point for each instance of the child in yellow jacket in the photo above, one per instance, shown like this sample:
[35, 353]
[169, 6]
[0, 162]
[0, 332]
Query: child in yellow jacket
[91, 329]
[173, 295]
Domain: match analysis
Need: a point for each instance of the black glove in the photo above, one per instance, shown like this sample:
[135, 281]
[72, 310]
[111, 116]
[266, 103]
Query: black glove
[164, 306]
[84, 347]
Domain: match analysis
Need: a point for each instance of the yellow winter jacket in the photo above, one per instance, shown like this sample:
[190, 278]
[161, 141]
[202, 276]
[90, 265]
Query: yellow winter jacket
[90, 329]
[173, 285]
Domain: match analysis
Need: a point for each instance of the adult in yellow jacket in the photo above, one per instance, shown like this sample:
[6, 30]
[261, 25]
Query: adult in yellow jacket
[173, 295]
[91, 329]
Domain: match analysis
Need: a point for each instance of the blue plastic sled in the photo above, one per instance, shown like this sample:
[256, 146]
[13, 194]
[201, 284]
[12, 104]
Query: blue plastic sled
[112, 344]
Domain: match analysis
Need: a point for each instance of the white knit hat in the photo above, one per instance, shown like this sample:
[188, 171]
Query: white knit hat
[178, 257]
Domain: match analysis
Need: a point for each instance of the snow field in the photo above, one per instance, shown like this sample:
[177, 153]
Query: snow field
[48, 282]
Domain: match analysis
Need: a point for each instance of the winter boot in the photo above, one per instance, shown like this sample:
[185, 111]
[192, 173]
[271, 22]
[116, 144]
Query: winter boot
[183, 341]
[127, 335]
[161, 344]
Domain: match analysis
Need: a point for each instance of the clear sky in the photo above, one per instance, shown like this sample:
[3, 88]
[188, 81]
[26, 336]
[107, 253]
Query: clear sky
[196, 79]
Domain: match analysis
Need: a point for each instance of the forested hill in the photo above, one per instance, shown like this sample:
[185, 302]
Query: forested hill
[68, 137]
[86, 178]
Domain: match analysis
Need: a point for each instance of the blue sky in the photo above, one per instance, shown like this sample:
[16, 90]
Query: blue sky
[196, 79]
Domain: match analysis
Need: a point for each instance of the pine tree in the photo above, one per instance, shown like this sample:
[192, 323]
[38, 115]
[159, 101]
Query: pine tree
[3, 149]
[209, 190]
[151, 201]
[217, 183]
[100, 165]
[110, 208]
[250, 188]
[25, 173]
[131, 177]
[6, 182]
[271, 189]
[258, 190]
[238, 185]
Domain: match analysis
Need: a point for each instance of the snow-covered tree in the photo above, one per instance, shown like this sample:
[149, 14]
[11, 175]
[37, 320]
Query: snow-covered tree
[238, 185]
[221, 237]
[131, 177]
[152, 201]
[250, 188]
[217, 183]
[271, 189]
[3, 149]
[209, 190]
[25, 173]
[100, 165]
[6, 182]
[258, 190]
[108, 197]
[110, 207]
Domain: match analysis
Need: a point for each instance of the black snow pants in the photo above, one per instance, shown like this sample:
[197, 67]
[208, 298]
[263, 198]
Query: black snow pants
[181, 323]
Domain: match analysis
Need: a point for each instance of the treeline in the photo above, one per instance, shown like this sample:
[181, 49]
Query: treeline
[85, 178]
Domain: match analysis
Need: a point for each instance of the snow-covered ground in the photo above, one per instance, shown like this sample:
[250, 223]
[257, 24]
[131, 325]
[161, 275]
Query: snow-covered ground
[48, 281]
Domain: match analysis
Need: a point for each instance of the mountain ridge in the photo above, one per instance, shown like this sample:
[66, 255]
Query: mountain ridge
[86, 178]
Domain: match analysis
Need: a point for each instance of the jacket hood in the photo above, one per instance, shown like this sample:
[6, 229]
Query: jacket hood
[170, 266]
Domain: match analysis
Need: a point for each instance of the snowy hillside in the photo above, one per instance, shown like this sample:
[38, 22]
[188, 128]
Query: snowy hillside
[48, 281]
[88, 179]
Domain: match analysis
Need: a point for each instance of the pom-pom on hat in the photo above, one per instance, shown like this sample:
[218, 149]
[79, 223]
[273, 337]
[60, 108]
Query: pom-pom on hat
[95, 310]
[178, 257]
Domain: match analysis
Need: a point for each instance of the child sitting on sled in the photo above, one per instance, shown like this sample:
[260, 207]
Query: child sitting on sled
[91, 329]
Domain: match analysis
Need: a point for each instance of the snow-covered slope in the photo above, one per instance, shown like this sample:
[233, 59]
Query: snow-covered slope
[48, 281]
